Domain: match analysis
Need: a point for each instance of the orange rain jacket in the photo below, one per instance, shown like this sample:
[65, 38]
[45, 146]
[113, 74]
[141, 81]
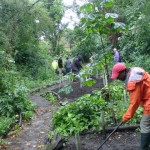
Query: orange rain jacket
[138, 86]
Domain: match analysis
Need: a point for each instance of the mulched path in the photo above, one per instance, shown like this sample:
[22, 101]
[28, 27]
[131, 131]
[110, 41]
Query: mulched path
[33, 135]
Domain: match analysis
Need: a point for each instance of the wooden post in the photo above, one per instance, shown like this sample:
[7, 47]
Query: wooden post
[103, 125]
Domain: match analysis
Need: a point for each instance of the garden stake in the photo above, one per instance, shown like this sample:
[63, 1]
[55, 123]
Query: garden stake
[110, 134]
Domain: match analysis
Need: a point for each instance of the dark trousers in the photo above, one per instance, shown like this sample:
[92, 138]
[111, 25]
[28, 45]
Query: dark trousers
[145, 132]
[145, 141]
[68, 70]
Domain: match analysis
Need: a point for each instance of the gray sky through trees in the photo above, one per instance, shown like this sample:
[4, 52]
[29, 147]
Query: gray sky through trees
[70, 16]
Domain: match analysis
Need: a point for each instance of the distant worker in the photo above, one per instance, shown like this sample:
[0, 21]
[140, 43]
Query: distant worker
[55, 65]
[76, 65]
[80, 58]
[137, 82]
[67, 65]
[117, 57]
[60, 65]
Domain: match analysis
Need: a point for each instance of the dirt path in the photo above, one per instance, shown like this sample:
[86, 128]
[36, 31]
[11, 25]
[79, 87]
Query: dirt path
[33, 135]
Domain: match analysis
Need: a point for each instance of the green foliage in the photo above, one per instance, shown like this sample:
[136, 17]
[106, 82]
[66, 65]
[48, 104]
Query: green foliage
[21, 34]
[28, 114]
[135, 42]
[100, 21]
[138, 61]
[29, 56]
[33, 83]
[83, 45]
[5, 123]
[56, 12]
[78, 116]
[113, 93]
[49, 97]
[88, 82]
[14, 98]
[15, 102]
[66, 90]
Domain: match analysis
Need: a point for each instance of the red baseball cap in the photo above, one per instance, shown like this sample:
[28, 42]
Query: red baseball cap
[117, 68]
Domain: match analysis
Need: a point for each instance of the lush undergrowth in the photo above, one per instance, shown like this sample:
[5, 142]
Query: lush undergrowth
[5, 124]
[33, 84]
[15, 99]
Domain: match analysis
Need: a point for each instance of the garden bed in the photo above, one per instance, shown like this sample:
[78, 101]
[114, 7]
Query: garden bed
[126, 139]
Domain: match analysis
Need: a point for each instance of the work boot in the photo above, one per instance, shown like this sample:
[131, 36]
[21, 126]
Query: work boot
[145, 141]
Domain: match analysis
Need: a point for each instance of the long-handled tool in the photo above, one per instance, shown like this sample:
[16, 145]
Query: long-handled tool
[110, 135]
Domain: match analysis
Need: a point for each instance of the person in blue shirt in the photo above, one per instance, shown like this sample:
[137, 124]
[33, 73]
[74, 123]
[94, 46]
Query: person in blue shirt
[116, 56]
[67, 65]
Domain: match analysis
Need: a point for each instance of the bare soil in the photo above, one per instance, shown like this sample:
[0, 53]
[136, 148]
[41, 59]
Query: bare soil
[33, 134]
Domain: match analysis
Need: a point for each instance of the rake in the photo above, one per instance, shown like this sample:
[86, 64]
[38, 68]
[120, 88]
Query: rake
[110, 135]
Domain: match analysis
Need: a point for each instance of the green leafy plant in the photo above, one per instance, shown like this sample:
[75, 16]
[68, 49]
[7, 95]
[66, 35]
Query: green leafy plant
[16, 101]
[89, 82]
[27, 115]
[5, 123]
[49, 97]
[78, 116]
[65, 90]
[113, 93]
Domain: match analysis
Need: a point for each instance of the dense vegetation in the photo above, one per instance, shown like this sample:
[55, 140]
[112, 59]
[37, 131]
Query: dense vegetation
[32, 36]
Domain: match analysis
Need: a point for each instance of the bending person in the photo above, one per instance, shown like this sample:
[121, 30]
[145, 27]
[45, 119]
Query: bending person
[137, 82]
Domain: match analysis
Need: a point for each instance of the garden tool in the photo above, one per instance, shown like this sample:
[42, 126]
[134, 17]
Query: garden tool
[110, 135]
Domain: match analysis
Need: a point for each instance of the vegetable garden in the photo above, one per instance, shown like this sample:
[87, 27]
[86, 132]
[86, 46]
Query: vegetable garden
[78, 119]
[40, 109]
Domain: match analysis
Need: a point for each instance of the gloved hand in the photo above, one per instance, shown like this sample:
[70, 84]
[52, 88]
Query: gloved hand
[125, 119]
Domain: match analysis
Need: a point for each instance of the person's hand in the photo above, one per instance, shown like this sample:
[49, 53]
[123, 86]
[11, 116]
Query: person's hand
[125, 119]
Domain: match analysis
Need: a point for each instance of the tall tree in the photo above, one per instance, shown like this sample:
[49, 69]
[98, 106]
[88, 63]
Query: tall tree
[56, 12]
[21, 28]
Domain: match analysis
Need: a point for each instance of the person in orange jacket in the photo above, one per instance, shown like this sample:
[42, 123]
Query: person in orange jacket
[137, 82]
